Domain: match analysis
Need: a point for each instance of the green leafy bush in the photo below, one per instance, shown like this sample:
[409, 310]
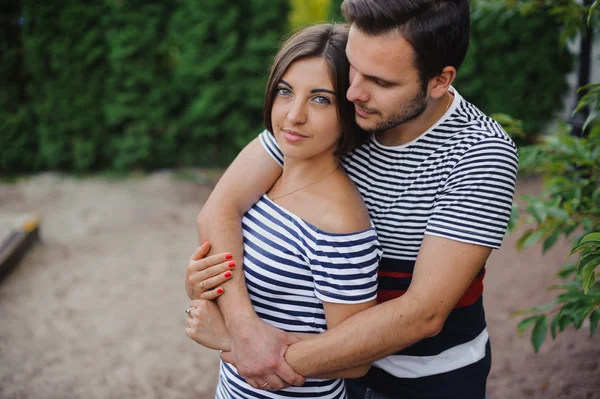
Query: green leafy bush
[569, 204]
[510, 62]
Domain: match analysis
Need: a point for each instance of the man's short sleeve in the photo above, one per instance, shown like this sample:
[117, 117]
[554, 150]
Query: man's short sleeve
[271, 146]
[475, 203]
[344, 267]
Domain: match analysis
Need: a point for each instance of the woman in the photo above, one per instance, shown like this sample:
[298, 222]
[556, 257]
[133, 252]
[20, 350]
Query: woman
[310, 250]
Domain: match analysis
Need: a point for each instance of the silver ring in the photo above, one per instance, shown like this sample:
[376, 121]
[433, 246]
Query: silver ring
[202, 285]
[188, 310]
[264, 385]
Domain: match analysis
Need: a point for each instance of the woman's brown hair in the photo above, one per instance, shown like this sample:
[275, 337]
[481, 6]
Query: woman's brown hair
[327, 41]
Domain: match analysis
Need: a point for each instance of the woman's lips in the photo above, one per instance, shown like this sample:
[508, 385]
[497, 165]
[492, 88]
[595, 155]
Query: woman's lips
[293, 136]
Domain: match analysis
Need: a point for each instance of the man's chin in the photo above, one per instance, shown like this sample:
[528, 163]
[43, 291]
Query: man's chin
[366, 125]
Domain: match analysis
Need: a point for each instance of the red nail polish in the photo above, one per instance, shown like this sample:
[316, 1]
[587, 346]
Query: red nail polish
[219, 290]
[228, 256]
[227, 274]
[231, 264]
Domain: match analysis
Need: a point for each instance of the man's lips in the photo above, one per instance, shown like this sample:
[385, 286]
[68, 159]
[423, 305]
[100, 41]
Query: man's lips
[361, 112]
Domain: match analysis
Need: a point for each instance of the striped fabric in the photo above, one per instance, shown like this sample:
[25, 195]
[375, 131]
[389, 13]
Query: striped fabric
[291, 268]
[454, 181]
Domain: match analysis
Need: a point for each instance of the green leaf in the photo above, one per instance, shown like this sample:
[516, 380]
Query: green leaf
[539, 211]
[588, 277]
[550, 241]
[580, 315]
[564, 321]
[538, 335]
[594, 318]
[514, 218]
[566, 271]
[558, 213]
[587, 259]
[591, 237]
[590, 118]
[591, 12]
[587, 244]
[526, 323]
[529, 238]
[536, 309]
[554, 327]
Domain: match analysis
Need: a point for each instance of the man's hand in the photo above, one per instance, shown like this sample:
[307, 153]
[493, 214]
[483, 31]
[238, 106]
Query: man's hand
[257, 353]
[204, 275]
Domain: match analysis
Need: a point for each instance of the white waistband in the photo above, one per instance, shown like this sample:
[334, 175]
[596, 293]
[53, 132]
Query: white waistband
[451, 359]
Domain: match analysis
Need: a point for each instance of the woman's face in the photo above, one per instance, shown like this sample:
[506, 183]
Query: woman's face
[304, 115]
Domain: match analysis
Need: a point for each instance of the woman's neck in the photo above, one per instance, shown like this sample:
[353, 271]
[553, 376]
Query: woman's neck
[300, 173]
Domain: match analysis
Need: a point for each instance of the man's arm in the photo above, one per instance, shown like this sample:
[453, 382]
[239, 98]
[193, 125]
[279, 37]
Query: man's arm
[443, 271]
[258, 347]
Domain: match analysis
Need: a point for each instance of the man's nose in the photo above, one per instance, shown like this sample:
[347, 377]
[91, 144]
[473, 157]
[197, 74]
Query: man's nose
[356, 92]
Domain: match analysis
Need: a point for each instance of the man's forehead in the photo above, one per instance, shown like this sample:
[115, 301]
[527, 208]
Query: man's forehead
[382, 51]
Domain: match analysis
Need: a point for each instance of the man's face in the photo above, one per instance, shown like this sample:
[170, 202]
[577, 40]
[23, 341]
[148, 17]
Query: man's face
[384, 84]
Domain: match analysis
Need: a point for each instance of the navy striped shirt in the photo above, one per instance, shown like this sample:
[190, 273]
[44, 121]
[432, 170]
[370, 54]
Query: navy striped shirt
[291, 267]
[455, 181]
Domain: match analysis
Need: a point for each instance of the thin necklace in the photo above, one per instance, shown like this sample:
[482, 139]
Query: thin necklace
[450, 98]
[309, 184]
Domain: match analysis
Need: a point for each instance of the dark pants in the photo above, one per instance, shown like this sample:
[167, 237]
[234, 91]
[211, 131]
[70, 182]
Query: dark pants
[356, 390]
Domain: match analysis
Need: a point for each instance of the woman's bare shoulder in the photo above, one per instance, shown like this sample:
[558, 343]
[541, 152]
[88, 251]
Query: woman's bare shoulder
[343, 210]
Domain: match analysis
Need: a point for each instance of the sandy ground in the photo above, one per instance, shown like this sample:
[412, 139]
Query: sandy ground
[96, 309]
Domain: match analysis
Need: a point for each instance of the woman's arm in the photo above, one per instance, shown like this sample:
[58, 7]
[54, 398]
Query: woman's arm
[258, 347]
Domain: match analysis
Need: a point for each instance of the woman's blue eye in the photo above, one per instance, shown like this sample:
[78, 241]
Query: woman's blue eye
[283, 91]
[322, 100]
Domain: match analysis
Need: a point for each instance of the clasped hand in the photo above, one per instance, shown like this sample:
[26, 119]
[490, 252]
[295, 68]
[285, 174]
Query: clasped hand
[256, 349]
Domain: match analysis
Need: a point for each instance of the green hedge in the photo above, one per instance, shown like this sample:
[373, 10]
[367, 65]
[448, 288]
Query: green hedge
[18, 147]
[161, 83]
[137, 84]
[515, 65]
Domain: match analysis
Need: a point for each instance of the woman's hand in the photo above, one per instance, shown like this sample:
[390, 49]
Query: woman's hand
[206, 325]
[205, 274]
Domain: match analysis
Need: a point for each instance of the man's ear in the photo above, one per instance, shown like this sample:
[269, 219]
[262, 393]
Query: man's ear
[439, 85]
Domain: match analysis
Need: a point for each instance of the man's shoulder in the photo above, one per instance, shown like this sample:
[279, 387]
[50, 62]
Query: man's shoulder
[475, 127]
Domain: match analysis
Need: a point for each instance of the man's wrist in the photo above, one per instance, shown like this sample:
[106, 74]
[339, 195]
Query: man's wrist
[300, 354]
[241, 324]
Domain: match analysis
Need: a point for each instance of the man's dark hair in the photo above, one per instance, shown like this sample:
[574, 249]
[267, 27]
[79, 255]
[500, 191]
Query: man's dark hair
[327, 41]
[438, 30]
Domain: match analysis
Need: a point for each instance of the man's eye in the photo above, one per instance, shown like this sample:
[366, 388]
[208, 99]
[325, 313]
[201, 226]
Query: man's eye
[381, 83]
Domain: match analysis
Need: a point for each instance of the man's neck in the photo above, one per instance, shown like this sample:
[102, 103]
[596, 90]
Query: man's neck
[411, 130]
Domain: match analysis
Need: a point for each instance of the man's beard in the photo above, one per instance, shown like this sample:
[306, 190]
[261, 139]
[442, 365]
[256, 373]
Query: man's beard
[411, 111]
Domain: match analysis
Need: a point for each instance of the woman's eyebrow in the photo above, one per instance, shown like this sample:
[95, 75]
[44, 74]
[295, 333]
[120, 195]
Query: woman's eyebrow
[282, 81]
[323, 91]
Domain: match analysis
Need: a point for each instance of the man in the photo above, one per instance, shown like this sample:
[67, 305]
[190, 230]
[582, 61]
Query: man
[438, 179]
